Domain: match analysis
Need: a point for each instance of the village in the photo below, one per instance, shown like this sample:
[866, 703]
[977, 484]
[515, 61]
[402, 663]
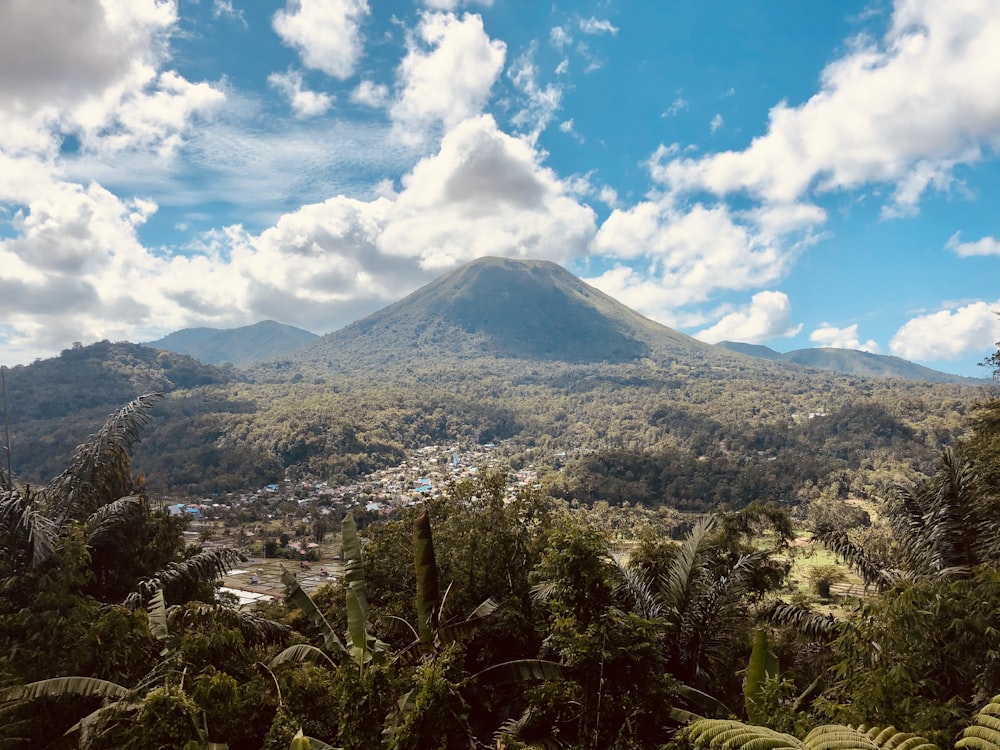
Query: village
[285, 526]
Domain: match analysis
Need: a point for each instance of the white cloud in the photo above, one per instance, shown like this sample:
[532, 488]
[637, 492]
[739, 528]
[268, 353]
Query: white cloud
[768, 316]
[225, 8]
[450, 67]
[304, 102]
[716, 123]
[842, 338]
[371, 94]
[559, 38]
[92, 69]
[325, 33]
[688, 253]
[59, 53]
[539, 103]
[597, 26]
[949, 334]
[485, 193]
[904, 111]
[983, 246]
[677, 106]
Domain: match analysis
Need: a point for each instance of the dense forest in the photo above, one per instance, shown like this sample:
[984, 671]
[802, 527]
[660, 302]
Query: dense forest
[484, 619]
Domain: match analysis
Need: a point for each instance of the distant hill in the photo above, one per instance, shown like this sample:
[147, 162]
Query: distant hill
[851, 362]
[506, 309]
[242, 346]
[53, 404]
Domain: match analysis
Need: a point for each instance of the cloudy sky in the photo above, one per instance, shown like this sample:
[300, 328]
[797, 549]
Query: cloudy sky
[772, 171]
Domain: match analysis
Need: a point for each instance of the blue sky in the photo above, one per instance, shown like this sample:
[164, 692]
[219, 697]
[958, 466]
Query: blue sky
[787, 173]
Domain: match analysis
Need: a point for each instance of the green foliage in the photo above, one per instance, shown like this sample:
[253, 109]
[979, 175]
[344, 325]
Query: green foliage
[919, 656]
[763, 665]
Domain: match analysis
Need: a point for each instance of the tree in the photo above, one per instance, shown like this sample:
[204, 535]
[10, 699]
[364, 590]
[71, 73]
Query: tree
[944, 526]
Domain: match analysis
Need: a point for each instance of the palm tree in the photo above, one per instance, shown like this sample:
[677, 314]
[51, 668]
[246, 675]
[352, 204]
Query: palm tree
[98, 495]
[702, 605]
[943, 527]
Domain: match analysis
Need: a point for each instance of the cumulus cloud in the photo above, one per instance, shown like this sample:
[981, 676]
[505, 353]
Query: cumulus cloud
[371, 94]
[905, 111]
[304, 102]
[949, 334]
[597, 26]
[450, 67]
[93, 69]
[325, 33]
[768, 316]
[983, 246]
[485, 193]
[842, 338]
[716, 123]
[62, 52]
[689, 253]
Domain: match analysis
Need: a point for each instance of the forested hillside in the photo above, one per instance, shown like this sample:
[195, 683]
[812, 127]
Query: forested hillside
[487, 617]
[499, 350]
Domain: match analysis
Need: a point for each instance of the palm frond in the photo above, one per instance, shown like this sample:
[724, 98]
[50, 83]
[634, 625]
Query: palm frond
[105, 519]
[255, 628]
[800, 618]
[677, 581]
[207, 565]
[84, 687]
[302, 652]
[735, 735]
[636, 586]
[27, 534]
[984, 733]
[516, 729]
[873, 572]
[100, 470]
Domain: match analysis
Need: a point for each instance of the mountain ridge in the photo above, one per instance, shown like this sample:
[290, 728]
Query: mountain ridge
[850, 362]
[507, 309]
[245, 345]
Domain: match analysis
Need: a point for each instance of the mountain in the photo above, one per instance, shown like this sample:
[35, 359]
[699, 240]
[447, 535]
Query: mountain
[851, 362]
[240, 346]
[509, 310]
[753, 350]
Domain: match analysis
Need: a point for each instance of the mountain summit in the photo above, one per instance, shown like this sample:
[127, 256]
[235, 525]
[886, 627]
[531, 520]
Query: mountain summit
[503, 308]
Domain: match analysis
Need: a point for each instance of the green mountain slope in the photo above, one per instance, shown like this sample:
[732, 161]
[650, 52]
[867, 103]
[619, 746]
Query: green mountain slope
[505, 309]
[240, 346]
[851, 362]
